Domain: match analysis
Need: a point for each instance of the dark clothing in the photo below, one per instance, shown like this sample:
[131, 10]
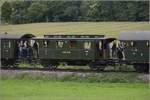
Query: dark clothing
[120, 55]
[35, 50]
[106, 46]
[35, 46]
[24, 52]
[120, 50]
[29, 52]
[114, 49]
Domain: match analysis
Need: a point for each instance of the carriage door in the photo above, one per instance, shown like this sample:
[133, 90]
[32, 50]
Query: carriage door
[45, 44]
[7, 49]
[88, 50]
[98, 49]
[106, 49]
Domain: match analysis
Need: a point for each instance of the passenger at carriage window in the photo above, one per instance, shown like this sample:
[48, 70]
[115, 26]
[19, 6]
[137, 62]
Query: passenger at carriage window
[45, 44]
[35, 49]
[29, 50]
[24, 49]
[60, 44]
[100, 45]
[87, 45]
[120, 51]
[20, 47]
[106, 45]
[114, 49]
[106, 49]
[72, 44]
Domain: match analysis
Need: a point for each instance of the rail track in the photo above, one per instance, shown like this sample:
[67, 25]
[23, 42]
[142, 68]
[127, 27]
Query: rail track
[64, 70]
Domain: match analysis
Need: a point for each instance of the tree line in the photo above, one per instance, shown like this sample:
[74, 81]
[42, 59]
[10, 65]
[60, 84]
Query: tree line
[18, 12]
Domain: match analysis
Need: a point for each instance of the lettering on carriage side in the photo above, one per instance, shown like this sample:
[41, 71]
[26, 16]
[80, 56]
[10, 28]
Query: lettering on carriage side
[86, 52]
[66, 52]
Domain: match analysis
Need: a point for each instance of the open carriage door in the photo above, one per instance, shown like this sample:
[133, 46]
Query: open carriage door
[107, 47]
[23, 39]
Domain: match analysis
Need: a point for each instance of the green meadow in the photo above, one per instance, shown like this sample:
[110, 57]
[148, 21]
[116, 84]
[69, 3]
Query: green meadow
[107, 28]
[54, 90]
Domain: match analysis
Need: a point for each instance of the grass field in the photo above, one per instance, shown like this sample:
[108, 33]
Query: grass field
[52, 90]
[107, 28]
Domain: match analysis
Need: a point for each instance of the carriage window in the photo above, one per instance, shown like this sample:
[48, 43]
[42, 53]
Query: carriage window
[100, 45]
[36, 45]
[87, 45]
[147, 44]
[126, 44]
[7, 44]
[32, 42]
[73, 44]
[60, 44]
[133, 44]
[45, 44]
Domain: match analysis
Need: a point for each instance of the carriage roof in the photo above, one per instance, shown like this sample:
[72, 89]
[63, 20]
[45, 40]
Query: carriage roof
[15, 35]
[75, 38]
[134, 35]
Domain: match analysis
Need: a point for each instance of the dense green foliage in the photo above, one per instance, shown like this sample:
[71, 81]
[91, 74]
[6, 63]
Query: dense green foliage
[48, 11]
[6, 11]
[50, 90]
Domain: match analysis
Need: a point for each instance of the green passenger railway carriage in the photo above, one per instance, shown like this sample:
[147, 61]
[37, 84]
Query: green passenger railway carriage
[95, 51]
[136, 48]
[9, 47]
[73, 50]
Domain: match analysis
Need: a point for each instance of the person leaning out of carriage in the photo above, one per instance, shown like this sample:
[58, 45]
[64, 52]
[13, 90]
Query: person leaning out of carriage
[120, 51]
[35, 50]
[114, 49]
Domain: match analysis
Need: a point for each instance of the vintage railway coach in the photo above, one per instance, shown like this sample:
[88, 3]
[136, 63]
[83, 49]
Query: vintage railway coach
[72, 49]
[94, 51]
[9, 47]
[136, 48]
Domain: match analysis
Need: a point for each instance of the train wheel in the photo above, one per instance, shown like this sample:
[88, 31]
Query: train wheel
[54, 67]
[142, 68]
[49, 66]
[4, 63]
[146, 68]
[8, 63]
[97, 68]
[46, 66]
[100, 68]
[138, 68]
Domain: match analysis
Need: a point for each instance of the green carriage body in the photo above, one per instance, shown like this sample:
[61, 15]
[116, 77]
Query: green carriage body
[137, 53]
[9, 46]
[65, 53]
[75, 48]
[136, 45]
